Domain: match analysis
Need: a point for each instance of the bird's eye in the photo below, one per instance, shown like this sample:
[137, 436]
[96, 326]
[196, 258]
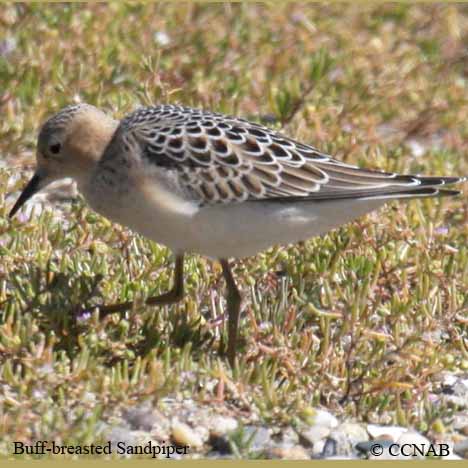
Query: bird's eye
[55, 148]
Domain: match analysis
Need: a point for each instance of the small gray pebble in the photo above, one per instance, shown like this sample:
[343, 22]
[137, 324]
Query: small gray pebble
[344, 446]
[461, 448]
[354, 432]
[259, 437]
[330, 448]
[121, 434]
[141, 417]
[315, 434]
[289, 437]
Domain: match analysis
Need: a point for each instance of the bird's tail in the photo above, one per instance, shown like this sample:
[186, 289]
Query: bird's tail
[418, 187]
[402, 186]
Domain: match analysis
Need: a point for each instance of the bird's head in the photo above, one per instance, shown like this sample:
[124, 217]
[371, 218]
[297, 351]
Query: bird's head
[69, 144]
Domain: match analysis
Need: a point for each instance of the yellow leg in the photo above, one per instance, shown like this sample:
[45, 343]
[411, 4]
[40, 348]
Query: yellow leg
[233, 300]
[171, 297]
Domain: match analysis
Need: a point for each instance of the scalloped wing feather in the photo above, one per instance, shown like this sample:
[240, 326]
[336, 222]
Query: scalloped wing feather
[225, 159]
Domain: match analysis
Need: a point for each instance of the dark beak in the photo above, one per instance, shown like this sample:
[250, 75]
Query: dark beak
[34, 185]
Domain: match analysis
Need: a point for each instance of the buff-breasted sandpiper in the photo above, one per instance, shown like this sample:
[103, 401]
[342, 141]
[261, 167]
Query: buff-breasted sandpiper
[202, 182]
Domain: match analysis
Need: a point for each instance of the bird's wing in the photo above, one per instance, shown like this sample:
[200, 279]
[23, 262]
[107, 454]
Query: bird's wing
[225, 159]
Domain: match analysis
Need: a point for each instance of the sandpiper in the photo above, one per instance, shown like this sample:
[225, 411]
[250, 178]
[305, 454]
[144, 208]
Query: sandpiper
[202, 182]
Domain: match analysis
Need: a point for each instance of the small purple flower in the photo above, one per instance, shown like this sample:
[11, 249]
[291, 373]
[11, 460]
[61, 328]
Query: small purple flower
[84, 316]
[442, 230]
[7, 46]
[23, 217]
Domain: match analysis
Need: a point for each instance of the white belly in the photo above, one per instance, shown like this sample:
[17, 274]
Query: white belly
[246, 229]
[224, 231]
[218, 231]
